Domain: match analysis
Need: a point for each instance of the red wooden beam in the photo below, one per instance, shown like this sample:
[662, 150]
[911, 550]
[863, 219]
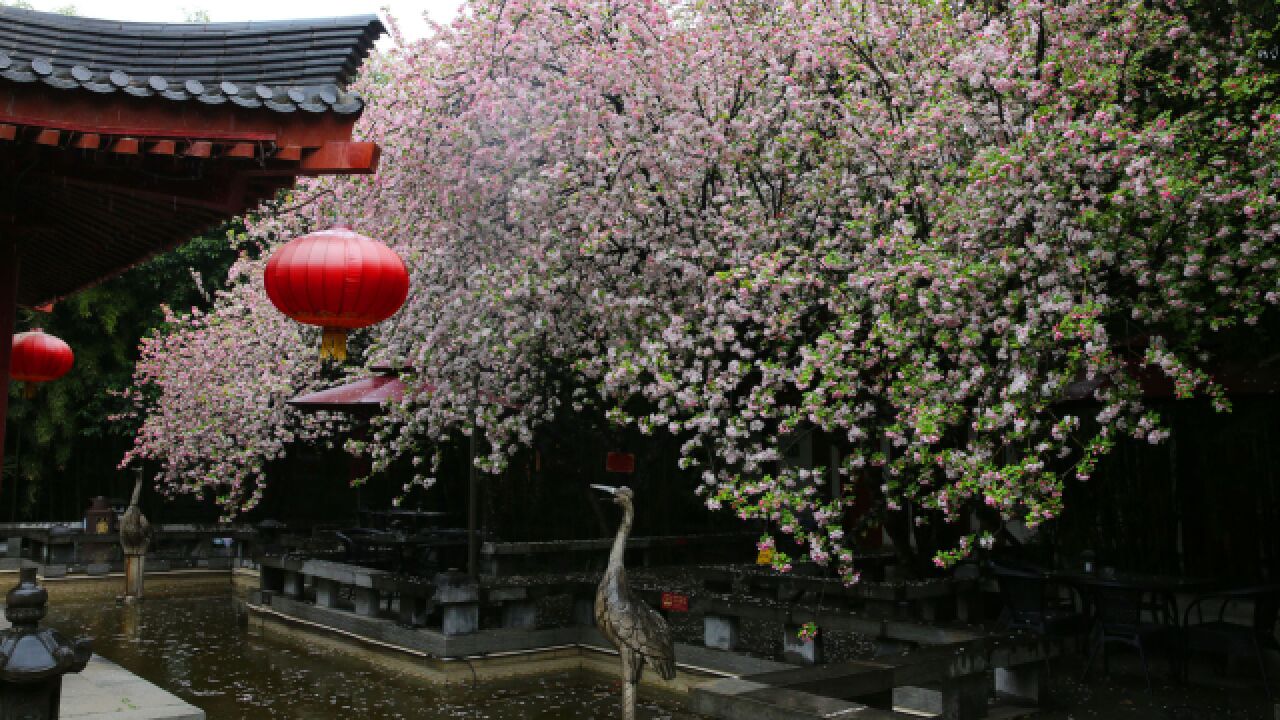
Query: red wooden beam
[125, 146]
[288, 152]
[354, 158]
[244, 151]
[8, 308]
[42, 106]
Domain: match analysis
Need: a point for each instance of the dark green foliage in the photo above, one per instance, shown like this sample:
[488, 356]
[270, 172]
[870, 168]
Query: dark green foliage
[63, 445]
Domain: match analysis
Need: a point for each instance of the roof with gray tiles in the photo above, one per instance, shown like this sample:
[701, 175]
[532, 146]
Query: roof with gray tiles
[283, 65]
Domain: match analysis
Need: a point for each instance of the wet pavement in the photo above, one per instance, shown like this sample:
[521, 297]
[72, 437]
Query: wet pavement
[1212, 692]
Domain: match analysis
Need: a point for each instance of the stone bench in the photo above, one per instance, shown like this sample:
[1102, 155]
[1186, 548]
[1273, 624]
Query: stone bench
[952, 681]
[930, 600]
[452, 599]
[722, 616]
[287, 575]
[506, 558]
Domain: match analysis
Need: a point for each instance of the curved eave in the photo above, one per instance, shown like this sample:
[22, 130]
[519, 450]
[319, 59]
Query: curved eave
[365, 396]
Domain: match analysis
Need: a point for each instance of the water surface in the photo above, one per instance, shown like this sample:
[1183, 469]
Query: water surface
[201, 650]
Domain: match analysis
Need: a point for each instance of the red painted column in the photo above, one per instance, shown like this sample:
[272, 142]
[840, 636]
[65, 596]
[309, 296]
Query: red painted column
[8, 309]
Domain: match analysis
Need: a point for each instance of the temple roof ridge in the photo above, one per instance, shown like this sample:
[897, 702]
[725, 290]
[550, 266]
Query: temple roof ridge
[283, 65]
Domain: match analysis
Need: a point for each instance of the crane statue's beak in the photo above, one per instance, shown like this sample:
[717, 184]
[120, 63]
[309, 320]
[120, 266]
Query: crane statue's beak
[606, 489]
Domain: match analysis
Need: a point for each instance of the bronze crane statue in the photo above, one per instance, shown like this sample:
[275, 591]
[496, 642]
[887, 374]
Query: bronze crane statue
[135, 536]
[638, 632]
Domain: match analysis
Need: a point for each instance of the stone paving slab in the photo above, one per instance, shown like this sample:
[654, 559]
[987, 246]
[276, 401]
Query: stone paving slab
[104, 690]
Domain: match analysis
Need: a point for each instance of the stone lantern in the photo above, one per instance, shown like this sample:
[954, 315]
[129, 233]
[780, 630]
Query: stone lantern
[33, 660]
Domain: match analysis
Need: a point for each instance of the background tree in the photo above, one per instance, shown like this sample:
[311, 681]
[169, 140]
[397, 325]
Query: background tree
[63, 444]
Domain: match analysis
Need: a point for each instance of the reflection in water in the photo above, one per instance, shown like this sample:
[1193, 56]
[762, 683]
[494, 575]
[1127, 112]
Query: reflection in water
[201, 650]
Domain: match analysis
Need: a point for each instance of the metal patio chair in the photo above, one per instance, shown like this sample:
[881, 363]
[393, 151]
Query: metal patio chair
[1118, 619]
[1229, 639]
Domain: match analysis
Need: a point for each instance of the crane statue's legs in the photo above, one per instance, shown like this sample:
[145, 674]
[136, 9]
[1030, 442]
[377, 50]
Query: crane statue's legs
[628, 687]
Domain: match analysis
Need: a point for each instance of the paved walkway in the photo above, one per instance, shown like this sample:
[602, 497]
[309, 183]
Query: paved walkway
[106, 690]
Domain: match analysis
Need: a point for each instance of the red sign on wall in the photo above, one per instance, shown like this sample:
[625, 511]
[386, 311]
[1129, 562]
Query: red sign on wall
[620, 462]
[675, 602]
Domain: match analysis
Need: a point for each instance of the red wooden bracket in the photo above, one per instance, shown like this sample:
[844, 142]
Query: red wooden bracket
[240, 150]
[125, 146]
[341, 157]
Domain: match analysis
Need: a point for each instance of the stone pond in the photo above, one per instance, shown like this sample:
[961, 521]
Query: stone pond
[205, 651]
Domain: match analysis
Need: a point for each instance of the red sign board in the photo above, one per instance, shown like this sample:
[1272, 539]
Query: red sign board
[620, 462]
[675, 602]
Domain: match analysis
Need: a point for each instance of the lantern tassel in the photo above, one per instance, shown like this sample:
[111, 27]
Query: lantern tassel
[334, 344]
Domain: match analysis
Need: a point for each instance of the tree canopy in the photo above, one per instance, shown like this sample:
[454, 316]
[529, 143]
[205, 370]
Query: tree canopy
[912, 226]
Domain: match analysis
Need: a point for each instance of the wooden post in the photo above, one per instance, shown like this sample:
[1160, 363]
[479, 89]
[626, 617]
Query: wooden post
[473, 499]
[8, 310]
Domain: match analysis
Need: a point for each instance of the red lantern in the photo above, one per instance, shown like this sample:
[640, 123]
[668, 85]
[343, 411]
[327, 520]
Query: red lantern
[39, 357]
[339, 280]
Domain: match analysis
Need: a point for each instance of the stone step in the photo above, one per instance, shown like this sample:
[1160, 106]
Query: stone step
[740, 699]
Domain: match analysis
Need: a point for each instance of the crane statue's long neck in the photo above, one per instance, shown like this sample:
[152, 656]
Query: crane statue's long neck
[137, 492]
[620, 541]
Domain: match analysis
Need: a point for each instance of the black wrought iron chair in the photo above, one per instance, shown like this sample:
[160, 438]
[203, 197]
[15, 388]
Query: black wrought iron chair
[1031, 603]
[1233, 639]
[1117, 609]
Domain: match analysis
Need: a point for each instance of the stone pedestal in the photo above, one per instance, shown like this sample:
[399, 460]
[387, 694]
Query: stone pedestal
[519, 615]
[720, 632]
[326, 593]
[923, 700]
[292, 584]
[366, 601]
[1022, 681]
[798, 651]
[134, 567]
[460, 619]
[459, 601]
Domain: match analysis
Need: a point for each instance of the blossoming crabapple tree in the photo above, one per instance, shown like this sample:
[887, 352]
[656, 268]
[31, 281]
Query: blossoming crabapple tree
[911, 226]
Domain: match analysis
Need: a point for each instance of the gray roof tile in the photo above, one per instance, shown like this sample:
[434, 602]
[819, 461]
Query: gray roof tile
[280, 65]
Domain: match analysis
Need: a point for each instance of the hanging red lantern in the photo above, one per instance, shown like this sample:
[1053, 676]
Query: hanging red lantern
[339, 280]
[39, 357]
